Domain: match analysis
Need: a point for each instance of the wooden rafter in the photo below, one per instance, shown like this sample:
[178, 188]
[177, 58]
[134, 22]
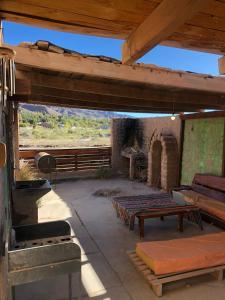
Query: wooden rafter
[204, 31]
[162, 22]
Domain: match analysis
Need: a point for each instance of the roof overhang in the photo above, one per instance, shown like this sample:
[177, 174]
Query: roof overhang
[76, 81]
[196, 25]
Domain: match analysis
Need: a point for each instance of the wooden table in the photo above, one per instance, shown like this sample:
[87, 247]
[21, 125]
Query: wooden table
[191, 211]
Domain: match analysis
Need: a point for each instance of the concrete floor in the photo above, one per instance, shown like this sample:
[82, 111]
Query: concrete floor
[107, 272]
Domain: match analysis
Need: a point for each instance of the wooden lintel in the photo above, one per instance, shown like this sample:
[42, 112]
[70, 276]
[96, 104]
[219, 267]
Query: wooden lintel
[135, 93]
[163, 21]
[146, 75]
[58, 101]
[153, 101]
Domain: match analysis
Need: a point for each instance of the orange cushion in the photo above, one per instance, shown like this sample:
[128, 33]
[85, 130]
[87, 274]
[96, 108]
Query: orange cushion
[212, 206]
[164, 257]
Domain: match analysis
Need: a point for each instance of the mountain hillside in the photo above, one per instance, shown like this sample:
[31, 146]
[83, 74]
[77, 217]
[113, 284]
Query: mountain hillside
[71, 111]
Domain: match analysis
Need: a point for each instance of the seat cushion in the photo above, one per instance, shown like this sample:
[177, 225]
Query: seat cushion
[180, 255]
[209, 205]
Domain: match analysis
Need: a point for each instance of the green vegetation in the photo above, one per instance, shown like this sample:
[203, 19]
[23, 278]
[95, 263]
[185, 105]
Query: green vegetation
[42, 129]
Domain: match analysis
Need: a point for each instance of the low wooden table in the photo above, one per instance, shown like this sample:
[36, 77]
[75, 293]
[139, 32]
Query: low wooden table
[191, 211]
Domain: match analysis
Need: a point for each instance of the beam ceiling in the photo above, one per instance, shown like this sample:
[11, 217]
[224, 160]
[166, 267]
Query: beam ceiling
[203, 31]
[166, 18]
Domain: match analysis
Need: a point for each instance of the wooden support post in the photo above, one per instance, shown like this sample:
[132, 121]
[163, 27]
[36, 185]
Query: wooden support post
[132, 167]
[221, 65]
[1, 33]
[3, 210]
[16, 139]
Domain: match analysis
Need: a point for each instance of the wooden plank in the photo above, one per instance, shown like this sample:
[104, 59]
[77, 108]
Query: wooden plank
[72, 165]
[99, 11]
[56, 101]
[65, 151]
[157, 281]
[150, 75]
[213, 220]
[191, 274]
[56, 18]
[82, 168]
[211, 181]
[83, 159]
[162, 22]
[112, 88]
[82, 98]
[112, 19]
[208, 192]
[116, 19]
[155, 99]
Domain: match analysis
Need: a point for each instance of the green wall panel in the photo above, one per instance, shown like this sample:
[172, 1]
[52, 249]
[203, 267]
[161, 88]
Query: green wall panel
[202, 148]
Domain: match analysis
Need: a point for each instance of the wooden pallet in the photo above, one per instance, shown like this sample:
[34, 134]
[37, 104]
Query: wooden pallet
[157, 281]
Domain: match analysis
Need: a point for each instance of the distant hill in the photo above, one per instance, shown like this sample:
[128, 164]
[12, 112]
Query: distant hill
[71, 111]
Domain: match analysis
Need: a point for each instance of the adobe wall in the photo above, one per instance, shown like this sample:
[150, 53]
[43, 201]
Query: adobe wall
[146, 128]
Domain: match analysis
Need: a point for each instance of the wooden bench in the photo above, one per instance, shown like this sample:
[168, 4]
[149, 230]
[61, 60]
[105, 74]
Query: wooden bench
[207, 192]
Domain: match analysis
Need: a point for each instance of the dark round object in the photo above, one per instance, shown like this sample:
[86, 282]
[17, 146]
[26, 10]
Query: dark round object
[45, 162]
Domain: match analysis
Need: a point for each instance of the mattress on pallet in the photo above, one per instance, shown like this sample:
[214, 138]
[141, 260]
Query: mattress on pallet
[210, 205]
[181, 255]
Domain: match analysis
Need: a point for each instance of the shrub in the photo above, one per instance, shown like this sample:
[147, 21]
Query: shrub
[25, 172]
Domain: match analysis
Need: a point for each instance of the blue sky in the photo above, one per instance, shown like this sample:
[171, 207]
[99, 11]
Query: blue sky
[178, 59]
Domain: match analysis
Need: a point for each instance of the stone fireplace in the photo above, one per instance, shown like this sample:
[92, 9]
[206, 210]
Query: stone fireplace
[137, 163]
[163, 161]
[128, 143]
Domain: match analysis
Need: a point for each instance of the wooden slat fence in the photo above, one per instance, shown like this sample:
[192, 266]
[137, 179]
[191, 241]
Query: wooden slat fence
[70, 160]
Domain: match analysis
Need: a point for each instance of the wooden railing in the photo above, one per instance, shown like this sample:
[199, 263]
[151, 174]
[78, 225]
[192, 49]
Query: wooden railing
[69, 160]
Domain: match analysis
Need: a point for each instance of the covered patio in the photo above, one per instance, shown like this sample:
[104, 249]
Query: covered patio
[50, 74]
[107, 272]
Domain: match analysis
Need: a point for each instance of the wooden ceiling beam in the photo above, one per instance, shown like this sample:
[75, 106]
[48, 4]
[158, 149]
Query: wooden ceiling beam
[118, 19]
[84, 90]
[168, 16]
[96, 69]
[66, 102]
[134, 92]
[111, 100]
